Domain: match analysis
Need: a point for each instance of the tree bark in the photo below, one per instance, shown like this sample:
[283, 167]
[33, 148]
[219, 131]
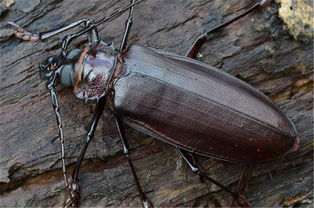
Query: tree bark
[256, 49]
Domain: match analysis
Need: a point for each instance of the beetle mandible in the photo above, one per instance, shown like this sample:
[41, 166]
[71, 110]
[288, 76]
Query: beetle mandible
[173, 98]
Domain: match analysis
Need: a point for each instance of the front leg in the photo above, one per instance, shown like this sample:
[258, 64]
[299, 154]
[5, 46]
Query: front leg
[32, 36]
[128, 25]
[89, 28]
[73, 199]
[55, 104]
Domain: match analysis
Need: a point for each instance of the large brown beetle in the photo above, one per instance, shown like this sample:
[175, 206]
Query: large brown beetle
[188, 104]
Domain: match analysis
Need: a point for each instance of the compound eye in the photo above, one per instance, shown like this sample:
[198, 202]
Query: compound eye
[68, 75]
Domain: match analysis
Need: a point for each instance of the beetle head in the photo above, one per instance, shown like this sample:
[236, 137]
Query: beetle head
[64, 66]
[49, 67]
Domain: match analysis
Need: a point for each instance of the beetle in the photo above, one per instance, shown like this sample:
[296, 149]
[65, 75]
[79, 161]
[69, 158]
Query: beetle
[173, 98]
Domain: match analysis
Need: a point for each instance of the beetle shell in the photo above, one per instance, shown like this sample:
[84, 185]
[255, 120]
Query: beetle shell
[198, 108]
[95, 68]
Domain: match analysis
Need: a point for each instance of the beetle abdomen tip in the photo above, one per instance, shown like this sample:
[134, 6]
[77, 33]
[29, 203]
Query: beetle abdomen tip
[296, 144]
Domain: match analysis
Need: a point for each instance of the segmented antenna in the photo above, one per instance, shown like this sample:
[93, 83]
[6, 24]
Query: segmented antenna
[117, 13]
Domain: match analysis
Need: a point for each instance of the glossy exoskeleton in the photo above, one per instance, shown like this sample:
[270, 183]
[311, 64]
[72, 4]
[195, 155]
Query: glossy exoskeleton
[183, 102]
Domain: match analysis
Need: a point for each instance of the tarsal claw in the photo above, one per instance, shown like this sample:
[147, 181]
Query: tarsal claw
[23, 34]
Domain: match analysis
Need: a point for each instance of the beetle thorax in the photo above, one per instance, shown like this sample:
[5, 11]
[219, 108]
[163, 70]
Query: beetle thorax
[94, 69]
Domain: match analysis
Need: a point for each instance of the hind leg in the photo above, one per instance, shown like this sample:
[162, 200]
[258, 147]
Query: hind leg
[201, 39]
[241, 201]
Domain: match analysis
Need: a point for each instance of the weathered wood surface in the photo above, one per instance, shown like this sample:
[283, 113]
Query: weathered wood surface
[256, 49]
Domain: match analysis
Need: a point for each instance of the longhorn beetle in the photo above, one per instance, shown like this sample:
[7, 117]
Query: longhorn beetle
[190, 105]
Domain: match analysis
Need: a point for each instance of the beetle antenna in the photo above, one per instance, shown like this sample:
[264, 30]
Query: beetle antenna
[116, 13]
[31, 36]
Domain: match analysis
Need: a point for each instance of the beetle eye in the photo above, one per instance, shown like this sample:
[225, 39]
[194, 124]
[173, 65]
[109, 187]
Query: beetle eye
[68, 75]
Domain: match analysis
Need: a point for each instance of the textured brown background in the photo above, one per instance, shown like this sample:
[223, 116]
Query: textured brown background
[256, 49]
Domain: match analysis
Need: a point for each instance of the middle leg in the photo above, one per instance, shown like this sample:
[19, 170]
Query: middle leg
[73, 199]
[146, 203]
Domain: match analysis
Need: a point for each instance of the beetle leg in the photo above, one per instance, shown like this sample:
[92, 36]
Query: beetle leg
[244, 176]
[31, 36]
[128, 25]
[27, 35]
[89, 28]
[74, 187]
[92, 35]
[202, 38]
[55, 104]
[122, 135]
[242, 202]
[242, 185]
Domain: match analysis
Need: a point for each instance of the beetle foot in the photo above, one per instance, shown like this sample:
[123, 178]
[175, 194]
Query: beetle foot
[243, 202]
[24, 34]
[264, 2]
[147, 203]
[73, 196]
